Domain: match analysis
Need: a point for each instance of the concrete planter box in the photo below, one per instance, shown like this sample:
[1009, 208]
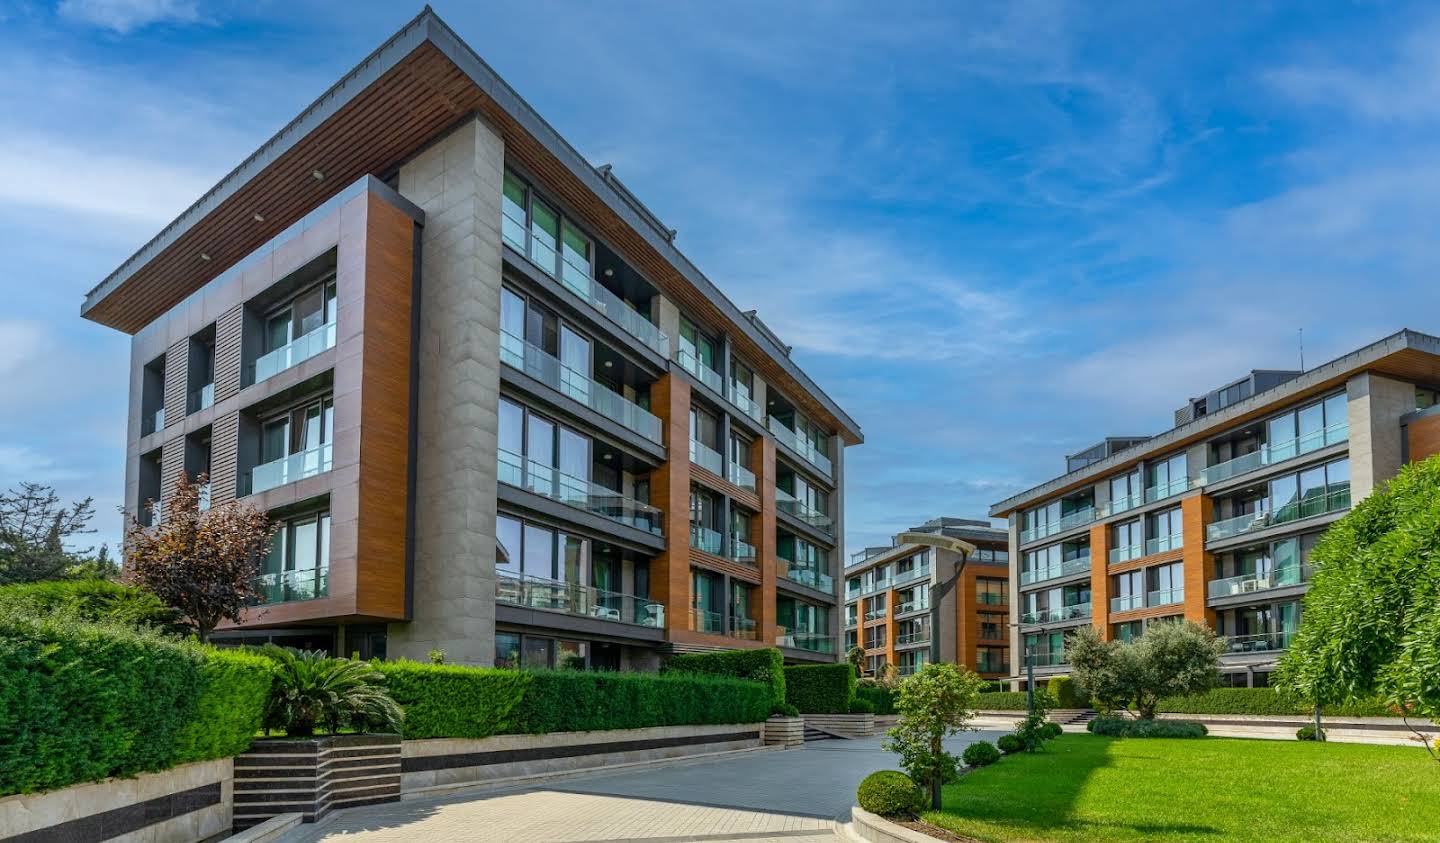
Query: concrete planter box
[437, 765]
[845, 725]
[313, 776]
[785, 731]
[185, 804]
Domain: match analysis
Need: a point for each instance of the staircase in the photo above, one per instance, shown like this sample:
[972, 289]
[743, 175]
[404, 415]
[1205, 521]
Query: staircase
[1073, 716]
[813, 734]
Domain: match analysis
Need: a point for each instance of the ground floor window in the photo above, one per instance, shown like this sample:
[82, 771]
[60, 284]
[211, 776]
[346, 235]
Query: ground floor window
[539, 652]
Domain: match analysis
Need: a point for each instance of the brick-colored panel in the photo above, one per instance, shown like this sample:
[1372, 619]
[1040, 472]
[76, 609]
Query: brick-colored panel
[224, 444]
[1100, 590]
[670, 490]
[177, 366]
[1196, 512]
[1423, 438]
[228, 332]
[762, 463]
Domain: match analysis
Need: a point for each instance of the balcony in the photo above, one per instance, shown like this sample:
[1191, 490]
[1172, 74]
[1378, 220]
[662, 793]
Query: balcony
[1127, 603]
[852, 594]
[1123, 504]
[1078, 518]
[746, 629]
[875, 614]
[817, 580]
[1161, 491]
[1045, 659]
[295, 352]
[815, 642]
[706, 375]
[742, 551]
[1067, 568]
[1278, 452]
[547, 481]
[597, 296]
[200, 399]
[746, 404]
[1264, 642]
[152, 421]
[289, 469]
[789, 504]
[530, 359]
[702, 620]
[909, 669]
[293, 586]
[988, 666]
[915, 573]
[1333, 500]
[910, 606]
[580, 600]
[1258, 582]
[706, 540]
[912, 638]
[877, 585]
[1064, 613]
[1165, 596]
[1161, 544]
[1124, 554]
[791, 440]
[741, 476]
[705, 457]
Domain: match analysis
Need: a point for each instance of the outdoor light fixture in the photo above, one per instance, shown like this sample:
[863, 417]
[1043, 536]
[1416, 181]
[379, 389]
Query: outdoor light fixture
[204, 256]
[609, 363]
[317, 174]
[259, 218]
[609, 272]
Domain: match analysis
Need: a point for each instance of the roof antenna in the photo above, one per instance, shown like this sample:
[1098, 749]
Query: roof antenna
[1302, 349]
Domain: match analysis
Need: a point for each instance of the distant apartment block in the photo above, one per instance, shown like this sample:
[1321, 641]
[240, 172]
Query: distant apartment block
[1214, 520]
[888, 593]
[491, 407]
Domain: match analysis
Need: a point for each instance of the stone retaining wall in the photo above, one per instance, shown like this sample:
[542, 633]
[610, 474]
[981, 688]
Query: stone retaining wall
[312, 777]
[848, 725]
[785, 731]
[185, 804]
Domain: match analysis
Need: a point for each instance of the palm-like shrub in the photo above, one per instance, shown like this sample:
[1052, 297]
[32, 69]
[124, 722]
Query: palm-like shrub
[311, 688]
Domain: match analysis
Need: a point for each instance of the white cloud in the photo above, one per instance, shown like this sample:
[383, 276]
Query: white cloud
[48, 172]
[125, 16]
[1403, 87]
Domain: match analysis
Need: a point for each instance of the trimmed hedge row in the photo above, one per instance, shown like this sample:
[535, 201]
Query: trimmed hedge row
[1262, 701]
[820, 688]
[451, 701]
[1001, 701]
[881, 697]
[766, 665]
[81, 702]
[93, 600]
[1124, 727]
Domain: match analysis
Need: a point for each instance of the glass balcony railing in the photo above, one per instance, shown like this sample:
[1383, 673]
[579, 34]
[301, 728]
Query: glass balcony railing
[877, 585]
[1064, 613]
[706, 375]
[792, 440]
[297, 466]
[1045, 659]
[706, 539]
[1161, 544]
[875, 614]
[151, 422]
[1160, 491]
[745, 403]
[741, 550]
[550, 482]
[745, 629]
[789, 504]
[1125, 553]
[852, 594]
[818, 580]
[1276, 452]
[203, 497]
[989, 666]
[574, 599]
[741, 476]
[705, 457]
[702, 620]
[293, 586]
[1078, 518]
[1261, 643]
[1165, 596]
[1127, 603]
[992, 598]
[1123, 504]
[852, 620]
[1068, 568]
[912, 638]
[1258, 582]
[200, 399]
[597, 296]
[916, 573]
[295, 352]
[1332, 500]
[815, 642]
[533, 361]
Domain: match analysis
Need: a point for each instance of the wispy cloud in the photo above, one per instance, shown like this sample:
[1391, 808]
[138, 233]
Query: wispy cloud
[45, 173]
[1399, 82]
[125, 16]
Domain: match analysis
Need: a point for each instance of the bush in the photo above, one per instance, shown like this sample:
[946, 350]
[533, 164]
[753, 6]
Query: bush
[981, 754]
[1001, 701]
[81, 702]
[766, 665]
[1010, 744]
[571, 701]
[861, 706]
[1050, 731]
[1262, 701]
[450, 701]
[1124, 727]
[880, 696]
[785, 710]
[889, 793]
[820, 688]
[1062, 690]
[311, 689]
[1309, 733]
[94, 600]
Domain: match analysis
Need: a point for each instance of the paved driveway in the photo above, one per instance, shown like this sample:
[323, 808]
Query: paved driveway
[790, 796]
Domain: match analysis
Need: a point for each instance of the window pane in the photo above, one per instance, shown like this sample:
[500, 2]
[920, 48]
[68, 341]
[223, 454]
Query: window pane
[305, 547]
[512, 313]
[544, 236]
[507, 650]
[575, 270]
[507, 544]
[539, 552]
[513, 208]
[512, 427]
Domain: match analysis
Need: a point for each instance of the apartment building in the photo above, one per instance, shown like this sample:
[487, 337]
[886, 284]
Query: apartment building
[1214, 520]
[888, 594]
[491, 407]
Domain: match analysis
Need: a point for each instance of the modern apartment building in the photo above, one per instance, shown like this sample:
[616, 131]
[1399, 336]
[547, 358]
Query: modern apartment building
[1214, 520]
[888, 594]
[490, 405]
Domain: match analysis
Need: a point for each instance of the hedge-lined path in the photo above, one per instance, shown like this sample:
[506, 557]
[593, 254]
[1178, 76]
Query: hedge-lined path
[788, 796]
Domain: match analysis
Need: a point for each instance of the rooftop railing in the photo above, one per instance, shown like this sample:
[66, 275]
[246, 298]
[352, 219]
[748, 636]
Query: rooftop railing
[583, 601]
[550, 482]
[535, 362]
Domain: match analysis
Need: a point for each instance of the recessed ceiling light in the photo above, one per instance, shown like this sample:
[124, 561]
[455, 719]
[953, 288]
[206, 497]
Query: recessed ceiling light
[259, 218]
[204, 256]
[317, 175]
[609, 363]
[609, 272]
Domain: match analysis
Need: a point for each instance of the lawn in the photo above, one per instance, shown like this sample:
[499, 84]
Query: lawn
[1084, 788]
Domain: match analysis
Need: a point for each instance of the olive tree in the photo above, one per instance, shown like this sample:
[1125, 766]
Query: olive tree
[934, 704]
[1370, 625]
[1172, 659]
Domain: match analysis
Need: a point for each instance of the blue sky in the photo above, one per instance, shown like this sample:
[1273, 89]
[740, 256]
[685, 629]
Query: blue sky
[994, 233]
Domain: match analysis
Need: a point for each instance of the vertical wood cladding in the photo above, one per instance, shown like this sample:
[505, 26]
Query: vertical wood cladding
[670, 490]
[177, 367]
[1423, 438]
[1100, 590]
[228, 332]
[1196, 512]
[762, 463]
[224, 447]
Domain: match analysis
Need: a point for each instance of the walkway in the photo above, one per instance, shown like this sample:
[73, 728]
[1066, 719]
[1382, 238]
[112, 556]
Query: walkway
[790, 796]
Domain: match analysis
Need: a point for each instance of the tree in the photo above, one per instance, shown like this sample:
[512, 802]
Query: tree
[856, 657]
[1171, 659]
[33, 530]
[1371, 620]
[203, 563]
[934, 704]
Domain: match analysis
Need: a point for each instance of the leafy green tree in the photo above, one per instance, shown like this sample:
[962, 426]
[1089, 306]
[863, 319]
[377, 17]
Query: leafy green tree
[934, 704]
[34, 528]
[1371, 620]
[1172, 659]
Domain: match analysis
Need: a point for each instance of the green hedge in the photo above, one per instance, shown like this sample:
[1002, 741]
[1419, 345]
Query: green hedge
[573, 701]
[451, 701]
[81, 702]
[96, 600]
[1001, 701]
[820, 688]
[1062, 689]
[766, 665]
[881, 697]
[1262, 701]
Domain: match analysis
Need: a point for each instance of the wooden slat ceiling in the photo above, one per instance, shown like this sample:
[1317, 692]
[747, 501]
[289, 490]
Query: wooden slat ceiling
[421, 96]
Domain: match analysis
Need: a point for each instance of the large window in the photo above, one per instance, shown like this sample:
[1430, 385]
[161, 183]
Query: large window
[698, 347]
[297, 567]
[1308, 428]
[1165, 531]
[991, 592]
[1167, 477]
[1129, 591]
[1166, 584]
[1314, 491]
[534, 228]
[1125, 492]
[1128, 541]
[992, 626]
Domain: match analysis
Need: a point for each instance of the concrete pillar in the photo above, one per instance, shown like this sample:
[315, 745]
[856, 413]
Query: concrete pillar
[1376, 450]
[669, 322]
[458, 183]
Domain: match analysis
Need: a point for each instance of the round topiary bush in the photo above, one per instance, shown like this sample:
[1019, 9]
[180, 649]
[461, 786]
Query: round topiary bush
[1051, 730]
[980, 754]
[1010, 744]
[889, 793]
[859, 706]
